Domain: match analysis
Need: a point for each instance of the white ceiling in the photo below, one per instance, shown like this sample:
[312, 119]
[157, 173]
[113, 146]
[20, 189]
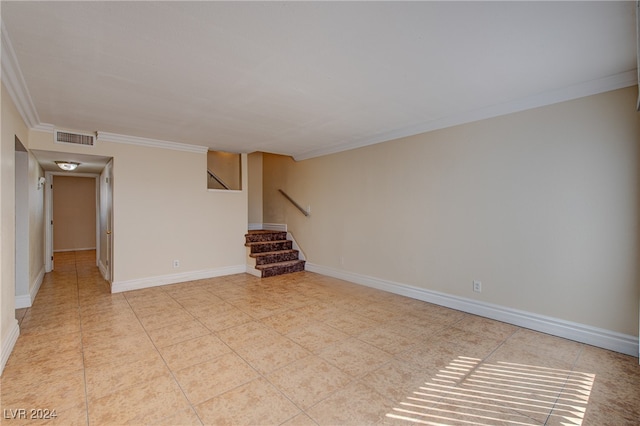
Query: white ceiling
[309, 78]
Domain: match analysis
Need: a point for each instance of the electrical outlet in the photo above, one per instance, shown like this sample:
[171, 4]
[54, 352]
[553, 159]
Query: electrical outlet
[477, 286]
[176, 263]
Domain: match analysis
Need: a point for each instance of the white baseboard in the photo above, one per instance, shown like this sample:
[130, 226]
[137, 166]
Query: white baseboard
[253, 271]
[103, 269]
[26, 300]
[8, 343]
[268, 226]
[74, 249]
[606, 339]
[137, 284]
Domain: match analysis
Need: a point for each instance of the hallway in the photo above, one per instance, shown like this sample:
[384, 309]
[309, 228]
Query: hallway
[295, 349]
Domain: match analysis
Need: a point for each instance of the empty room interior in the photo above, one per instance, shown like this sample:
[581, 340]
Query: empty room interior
[320, 213]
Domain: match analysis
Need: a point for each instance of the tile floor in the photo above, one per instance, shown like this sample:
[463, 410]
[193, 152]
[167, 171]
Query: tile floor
[299, 349]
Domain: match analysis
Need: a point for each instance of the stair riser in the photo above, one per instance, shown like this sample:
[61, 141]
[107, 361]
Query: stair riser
[258, 237]
[274, 258]
[271, 246]
[279, 270]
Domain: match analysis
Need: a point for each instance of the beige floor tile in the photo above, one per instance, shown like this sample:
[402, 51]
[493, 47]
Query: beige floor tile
[321, 310]
[33, 348]
[602, 362]
[124, 349]
[108, 378]
[168, 306]
[403, 357]
[43, 363]
[354, 357]
[286, 322]
[355, 404]
[309, 380]
[205, 308]
[432, 356]
[145, 403]
[92, 336]
[255, 403]
[391, 338]
[565, 352]
[471, 344]
[56, 391]
[186, 417]
[194, 351]
[71, 416]
[176, 333]
[108, 319]
[248, 333]
[300, 420]
[165, 318]
[269, 355]
[396, 379]
[350, 322]
[206, 380]
[225, 319]
[257, 307]
[315, 335]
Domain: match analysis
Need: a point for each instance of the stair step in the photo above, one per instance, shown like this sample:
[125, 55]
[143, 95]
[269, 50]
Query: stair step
[280, 268]
[269, 246]
[265, 235]
[275, 256]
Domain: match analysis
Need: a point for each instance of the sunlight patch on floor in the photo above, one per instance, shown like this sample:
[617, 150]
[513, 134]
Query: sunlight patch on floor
[469, 391]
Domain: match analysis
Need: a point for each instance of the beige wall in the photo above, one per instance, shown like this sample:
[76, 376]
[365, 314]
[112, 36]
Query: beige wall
[162, 211]
[74, 213]
[255, 187]
[541, 206]
[11, 124]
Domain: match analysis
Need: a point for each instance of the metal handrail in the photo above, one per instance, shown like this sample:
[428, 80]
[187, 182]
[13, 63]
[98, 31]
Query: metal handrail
[304, 212]
[217, 179]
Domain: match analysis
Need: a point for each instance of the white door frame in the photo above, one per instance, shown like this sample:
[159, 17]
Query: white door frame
[48, 214]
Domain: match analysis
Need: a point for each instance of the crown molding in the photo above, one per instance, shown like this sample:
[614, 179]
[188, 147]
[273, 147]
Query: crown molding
[14, 81]
[44, 127]
[153, 143]
[580, 90]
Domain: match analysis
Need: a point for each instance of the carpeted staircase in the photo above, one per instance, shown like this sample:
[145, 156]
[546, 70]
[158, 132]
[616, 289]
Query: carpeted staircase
[272, 253]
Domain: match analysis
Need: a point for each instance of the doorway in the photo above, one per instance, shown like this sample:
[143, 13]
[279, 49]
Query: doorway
[99, 170]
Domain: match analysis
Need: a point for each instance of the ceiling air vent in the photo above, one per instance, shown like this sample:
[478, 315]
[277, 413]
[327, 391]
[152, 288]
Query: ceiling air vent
[86, 139]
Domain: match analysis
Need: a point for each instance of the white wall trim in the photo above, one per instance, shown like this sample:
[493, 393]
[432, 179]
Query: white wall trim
[74, 249]
[282, 227]
[26, 300]
[154, 143]
[137, 284]
[8, 344]
[606, 339]
[15, 83]
[580, 90]
[23, 301]
[253, 271]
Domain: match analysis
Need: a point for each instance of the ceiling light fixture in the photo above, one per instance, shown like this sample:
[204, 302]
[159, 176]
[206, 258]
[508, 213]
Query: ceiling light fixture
[67, 166]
